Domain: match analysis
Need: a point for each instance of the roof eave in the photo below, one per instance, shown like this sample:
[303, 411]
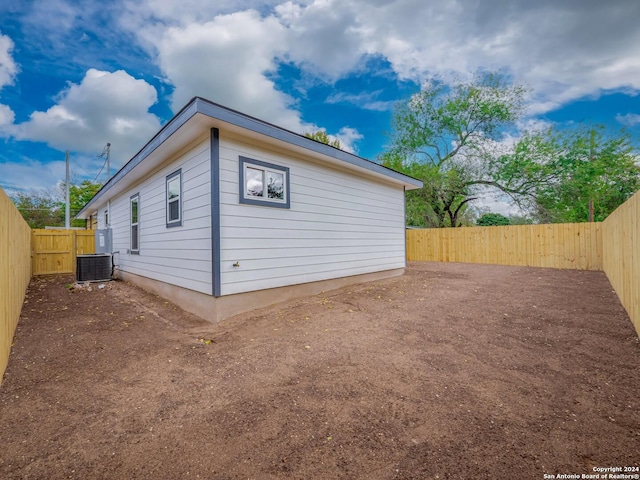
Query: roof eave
[226, 115]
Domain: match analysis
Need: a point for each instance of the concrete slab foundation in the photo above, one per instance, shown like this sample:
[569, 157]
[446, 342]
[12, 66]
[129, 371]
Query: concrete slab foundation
[215, 309]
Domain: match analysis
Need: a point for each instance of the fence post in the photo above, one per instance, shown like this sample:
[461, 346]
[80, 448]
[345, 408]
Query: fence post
[74, 250]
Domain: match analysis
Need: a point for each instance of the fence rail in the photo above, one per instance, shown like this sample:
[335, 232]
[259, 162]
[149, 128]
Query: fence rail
[569, 245]
[54, 251]
[15, 273]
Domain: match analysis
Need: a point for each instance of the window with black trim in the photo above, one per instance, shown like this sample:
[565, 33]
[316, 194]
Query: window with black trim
[135, 223]
[174, 199]
[263, 183]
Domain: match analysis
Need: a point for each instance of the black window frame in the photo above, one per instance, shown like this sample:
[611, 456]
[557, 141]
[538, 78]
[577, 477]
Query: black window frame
[178, 222]
[265, 201]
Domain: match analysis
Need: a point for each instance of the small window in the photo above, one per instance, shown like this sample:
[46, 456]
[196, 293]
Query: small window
[106, 219]
[263, 183]
[135, 223]
[174, 199]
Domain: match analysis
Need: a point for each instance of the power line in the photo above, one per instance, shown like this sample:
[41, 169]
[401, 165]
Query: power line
[106, 152]
[94, 180]
[80, 167]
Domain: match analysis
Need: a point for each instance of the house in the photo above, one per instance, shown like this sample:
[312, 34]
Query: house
[222, 213]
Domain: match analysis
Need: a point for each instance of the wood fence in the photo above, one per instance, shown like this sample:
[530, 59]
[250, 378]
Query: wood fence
[621, 255]
[54, 251]
[15, 273]
[568, 245]
[612, 246]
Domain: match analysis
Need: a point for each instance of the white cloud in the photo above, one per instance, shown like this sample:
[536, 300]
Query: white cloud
[494, 201]
[348, 138]
[104, 107]
[227, 61]
[6, 115]
[230, 52]
[366, 100]
[563, 51]
[229, 58]
[628, 120]
[8, 67]
[28, 174]
[54, 16]
[325, 37]
[143, 12]
[149, 20]
[533, 125]
[8, 71]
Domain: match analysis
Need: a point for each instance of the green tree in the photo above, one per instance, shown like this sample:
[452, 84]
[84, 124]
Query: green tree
[493, 219]
[42, 208]
[79, 195]
[321, 136]
[571, 175]
[444, 136]
[599, 173]
[39, 209]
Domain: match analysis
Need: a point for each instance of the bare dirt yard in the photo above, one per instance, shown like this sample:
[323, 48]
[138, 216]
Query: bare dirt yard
[451, 371]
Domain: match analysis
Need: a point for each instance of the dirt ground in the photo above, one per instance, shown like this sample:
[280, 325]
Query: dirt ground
[451, 371]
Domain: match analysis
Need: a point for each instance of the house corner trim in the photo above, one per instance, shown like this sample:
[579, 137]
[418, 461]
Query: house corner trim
[215, 211]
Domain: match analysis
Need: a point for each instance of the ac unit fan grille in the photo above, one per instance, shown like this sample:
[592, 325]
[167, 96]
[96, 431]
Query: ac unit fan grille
[93, 268]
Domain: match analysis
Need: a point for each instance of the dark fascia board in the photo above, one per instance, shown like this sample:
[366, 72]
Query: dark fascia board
[233, 117]
[179, 119]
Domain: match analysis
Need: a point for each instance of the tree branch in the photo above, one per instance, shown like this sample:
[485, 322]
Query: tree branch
[462, 203]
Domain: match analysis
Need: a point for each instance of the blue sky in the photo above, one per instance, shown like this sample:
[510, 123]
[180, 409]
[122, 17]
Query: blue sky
[75, 75]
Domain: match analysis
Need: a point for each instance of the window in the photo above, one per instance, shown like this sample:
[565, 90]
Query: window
[135, 223]
[174, 199]
[106, 219]
[263, 183]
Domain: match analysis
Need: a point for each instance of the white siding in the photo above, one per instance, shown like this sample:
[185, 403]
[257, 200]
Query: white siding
[179, 255]
[101, 218]
[339, 224]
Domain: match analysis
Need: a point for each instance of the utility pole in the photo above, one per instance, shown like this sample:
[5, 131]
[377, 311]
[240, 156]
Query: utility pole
[106, 151]
[591, 147]
[108, 161]
[67, 220]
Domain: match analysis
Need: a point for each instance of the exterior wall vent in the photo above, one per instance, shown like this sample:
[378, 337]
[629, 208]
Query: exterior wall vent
[93, 268]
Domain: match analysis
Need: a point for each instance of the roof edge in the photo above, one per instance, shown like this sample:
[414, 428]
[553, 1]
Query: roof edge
[179, 119]
[239, 119]
[234, 117]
